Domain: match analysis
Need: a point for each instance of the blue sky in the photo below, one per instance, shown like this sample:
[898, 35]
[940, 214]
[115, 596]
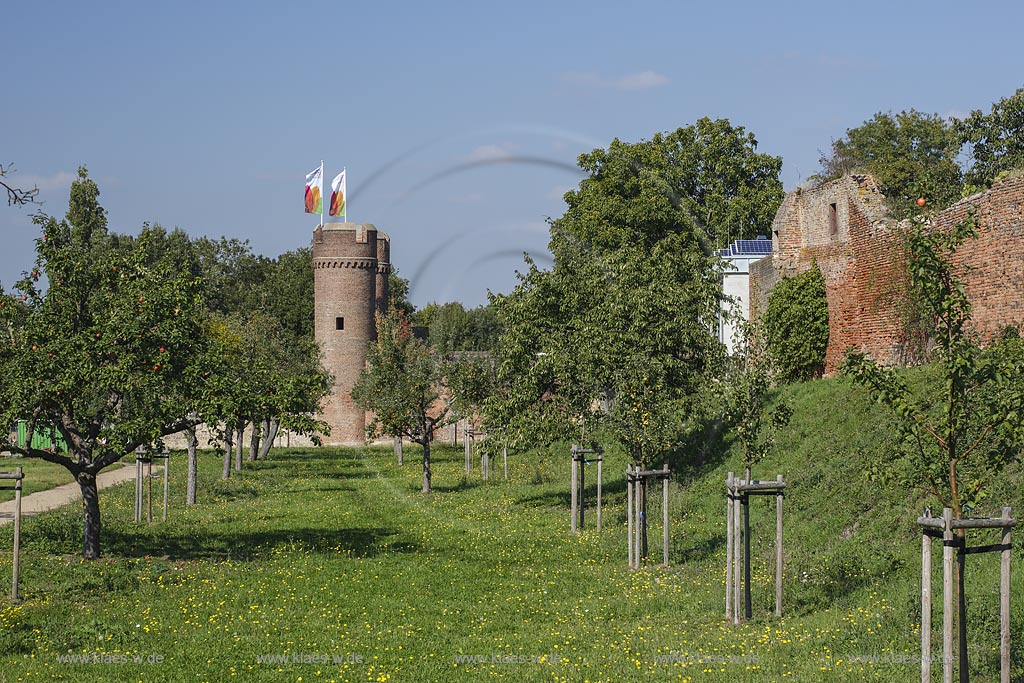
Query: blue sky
[459, 123]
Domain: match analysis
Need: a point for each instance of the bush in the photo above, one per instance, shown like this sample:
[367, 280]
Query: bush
[796, 326]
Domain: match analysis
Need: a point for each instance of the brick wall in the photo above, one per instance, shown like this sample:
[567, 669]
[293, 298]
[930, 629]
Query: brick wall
[842, 226]
[992, 266]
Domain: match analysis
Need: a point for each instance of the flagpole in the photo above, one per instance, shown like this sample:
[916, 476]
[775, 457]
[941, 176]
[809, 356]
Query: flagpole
[321, 193]
[344, 169]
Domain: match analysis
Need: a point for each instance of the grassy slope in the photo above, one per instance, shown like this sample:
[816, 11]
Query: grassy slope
[336, 553]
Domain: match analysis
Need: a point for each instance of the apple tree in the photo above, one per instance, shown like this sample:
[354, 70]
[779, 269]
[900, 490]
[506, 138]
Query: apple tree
[104, 343]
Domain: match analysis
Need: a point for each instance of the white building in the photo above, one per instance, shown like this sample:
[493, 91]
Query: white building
[736, 260]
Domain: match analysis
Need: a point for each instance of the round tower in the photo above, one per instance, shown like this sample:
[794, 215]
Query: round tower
[345, 274]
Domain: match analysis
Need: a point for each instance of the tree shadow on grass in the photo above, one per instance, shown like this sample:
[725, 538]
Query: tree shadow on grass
[360, 542]
[610, 490]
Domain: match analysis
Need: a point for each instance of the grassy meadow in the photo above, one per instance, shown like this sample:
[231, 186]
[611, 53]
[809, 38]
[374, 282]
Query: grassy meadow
[330, 565]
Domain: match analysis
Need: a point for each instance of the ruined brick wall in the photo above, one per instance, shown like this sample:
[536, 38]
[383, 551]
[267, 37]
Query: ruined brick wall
[992, 266]
[843, 227]
[345, 274]
[840, 227]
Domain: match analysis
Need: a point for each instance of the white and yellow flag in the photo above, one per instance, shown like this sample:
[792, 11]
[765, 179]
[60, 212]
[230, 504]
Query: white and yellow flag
[315, 190]
[338, 192]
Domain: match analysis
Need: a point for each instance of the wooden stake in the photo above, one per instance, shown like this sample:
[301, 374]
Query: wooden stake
[629, 514]
[737, 558]
[637, 485]
[485, 464]
[948, 560]
[599, 476]
[926, 604]
[148, 491]
[17, 534]
[664, 506]
[778, 547]
[728, 546]
[1004, 603]
[573, 494]
[504, 456]
[747, 609]
[583, 489]
[469, 455]
[167, 468]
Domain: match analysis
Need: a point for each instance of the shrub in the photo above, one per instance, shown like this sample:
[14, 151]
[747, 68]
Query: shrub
[796, 326]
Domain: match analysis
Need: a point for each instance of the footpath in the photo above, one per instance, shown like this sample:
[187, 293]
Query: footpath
[41, 501]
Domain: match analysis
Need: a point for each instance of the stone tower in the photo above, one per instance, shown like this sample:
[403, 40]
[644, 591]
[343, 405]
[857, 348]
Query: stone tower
[350, 284]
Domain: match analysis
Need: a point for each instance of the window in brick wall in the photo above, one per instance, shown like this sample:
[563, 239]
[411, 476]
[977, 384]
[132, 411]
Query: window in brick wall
[833, 220]
[339, 323]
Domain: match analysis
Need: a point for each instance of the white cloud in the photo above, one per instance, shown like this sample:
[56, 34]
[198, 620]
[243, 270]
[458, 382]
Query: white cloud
[488, 152]
[641, 80]
[58, 181]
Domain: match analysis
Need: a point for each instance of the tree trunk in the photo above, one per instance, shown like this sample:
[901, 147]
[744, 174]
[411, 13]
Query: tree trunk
[239, 436]
[254, 440]
[228, 443]
[426, 464]
[270, 428]
[91, 505]
[398, 450]
[193, 465]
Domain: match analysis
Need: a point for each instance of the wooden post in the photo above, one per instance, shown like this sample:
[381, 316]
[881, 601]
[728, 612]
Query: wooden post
[138, 488]
[728, 546]
[167, 489]
[926, 603]
[573, 493]
[469, 454]
[664, 505]
[1004, 602]
[636, 517]
[485, 464]
[737, 558]
[149, 491]
[504, 457]
[645, 551]
[599, 476]
[17, 533]
[948, 563]
[629, 514]
[779, 496]
[747, 609]
[583, 487]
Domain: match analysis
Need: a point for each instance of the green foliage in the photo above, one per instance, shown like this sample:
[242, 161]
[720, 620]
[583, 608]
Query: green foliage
[958, 434]
[795, 326]
[398, 290]
[910, 154]
[709, 172]
[401, 385]
[613, 334]
[110, 352]
[454, 328]
[995, 141]
[471, 379]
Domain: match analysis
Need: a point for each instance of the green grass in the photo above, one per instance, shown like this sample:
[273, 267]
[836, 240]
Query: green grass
[335, 553]
[39, 476]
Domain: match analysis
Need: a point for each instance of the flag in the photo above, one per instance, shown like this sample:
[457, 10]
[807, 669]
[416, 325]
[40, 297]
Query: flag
[315, 190]
[338, 196]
